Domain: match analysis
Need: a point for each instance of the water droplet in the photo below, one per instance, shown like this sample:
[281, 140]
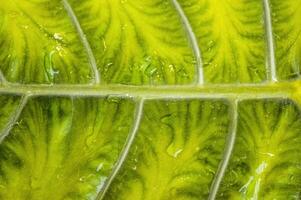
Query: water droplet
[210, 44]
[58, 176]
[124, 26]
[168, 118]
[107, 66]
[183, 74]
[102, 181]
[60, 50]
[150, 70]
[268, 154]
[292, 178]
[121, 128]
[113, 99]
[244, 188]
[90, 140]
[147, 67]
[171, 68]
[18, 123]
[104, 44]
[57, 36]
[174, 151]
[25, 26]
[145, 63]
[13, 14]
[99, 167]
[51, 71]
[261, 167]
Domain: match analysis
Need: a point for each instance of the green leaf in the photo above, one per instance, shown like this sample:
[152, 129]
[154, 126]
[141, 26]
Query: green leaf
[39, 44]
[7, 110]
[287, 29]
[149, 100]
[137, 42]
[231, 38]
[53, 148]
[266, 158]
[176, 152]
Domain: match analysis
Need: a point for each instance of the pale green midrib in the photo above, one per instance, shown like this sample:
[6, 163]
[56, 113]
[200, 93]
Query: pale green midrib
[271, 63]
[84, 41]
[194, 43]
[127, 146]
[237, 91]
[227, 151]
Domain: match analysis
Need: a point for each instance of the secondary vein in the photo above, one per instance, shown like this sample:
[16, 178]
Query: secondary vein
[2, 78]
[126, 149]
[84, 41]
[271, 67]
[193, 41]
[227, 153]
[13, 119]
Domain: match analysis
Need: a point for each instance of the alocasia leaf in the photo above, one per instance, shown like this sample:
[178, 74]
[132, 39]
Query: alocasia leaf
[287, 30]
[40, 45]
[150, 99]
[265, 162]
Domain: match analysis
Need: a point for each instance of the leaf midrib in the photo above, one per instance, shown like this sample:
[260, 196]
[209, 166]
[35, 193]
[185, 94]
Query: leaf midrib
[236, 91]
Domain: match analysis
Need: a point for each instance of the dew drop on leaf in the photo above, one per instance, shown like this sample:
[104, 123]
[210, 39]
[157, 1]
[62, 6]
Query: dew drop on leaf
[168, 118]
[174, 150]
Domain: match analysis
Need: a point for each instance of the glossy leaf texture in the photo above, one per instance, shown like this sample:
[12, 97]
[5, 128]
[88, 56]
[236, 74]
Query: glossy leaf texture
[150, 99]
[40, 45]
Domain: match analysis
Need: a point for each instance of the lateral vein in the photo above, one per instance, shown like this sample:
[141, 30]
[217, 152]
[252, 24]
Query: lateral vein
[13, 119]
[2, 78]
[193, 41]
[126, 149]
[84, 40]
[271, 66]
[227, 153]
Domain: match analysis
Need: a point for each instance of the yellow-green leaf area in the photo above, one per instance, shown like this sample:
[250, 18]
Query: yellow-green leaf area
[39, 44]
[137, 42]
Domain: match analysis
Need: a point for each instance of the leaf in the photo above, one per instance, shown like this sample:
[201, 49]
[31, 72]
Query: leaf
[128, 99]
[176, 151]
[137, 42]
[8, 106]
[286, 22]
[231, 36]
[40, 45]
[265, 162]
[54, 149]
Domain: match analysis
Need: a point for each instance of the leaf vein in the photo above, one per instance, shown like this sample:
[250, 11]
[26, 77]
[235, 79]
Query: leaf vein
[2, 78]
[193, 41]
[271, 65]
[130, 140]
[227, 152]
[84, 40]
[13, 119]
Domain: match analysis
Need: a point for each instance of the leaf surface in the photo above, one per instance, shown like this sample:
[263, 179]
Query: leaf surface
[128, 99]
[40, 45]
